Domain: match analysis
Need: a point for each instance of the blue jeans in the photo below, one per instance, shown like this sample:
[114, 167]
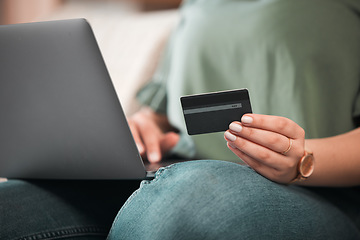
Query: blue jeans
[223, 200]
[81, 210]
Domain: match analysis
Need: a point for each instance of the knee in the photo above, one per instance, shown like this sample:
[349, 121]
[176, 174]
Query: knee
[199, 199]
[222, 200]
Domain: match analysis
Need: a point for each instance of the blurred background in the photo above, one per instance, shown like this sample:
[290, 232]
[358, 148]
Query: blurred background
[19, 11]
[131, 33]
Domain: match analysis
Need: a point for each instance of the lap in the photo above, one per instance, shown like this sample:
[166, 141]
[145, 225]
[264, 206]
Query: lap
[222, 200]
[63, 209]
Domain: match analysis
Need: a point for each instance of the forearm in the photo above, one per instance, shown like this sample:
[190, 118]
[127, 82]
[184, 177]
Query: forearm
[337, 160]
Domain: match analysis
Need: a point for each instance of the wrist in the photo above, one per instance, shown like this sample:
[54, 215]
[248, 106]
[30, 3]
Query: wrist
[305, 167]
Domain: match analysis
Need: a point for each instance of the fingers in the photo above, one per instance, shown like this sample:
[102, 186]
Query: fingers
[257, 166]
[152, 146]
[137, 137]
[157, 146]
[271, 145]
[169, 141]
[281, 125]
[279, 134]
[257, 152]
[147, 138]
[274, 141]
[152, 143]
[266, 171]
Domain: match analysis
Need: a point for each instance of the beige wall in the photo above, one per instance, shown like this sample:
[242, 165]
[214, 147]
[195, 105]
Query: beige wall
[19, 11]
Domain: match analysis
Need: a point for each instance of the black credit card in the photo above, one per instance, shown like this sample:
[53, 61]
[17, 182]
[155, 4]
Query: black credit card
[213, 112]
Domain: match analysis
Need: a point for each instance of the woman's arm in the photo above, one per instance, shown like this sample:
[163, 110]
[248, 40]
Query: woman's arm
[337, 160]
[261, 140]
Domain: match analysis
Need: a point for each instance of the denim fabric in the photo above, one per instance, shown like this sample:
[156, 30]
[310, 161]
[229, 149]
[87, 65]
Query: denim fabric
[71, 210]
[223, 200]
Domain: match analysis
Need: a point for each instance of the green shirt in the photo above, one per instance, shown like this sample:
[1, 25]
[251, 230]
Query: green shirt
[298, 59]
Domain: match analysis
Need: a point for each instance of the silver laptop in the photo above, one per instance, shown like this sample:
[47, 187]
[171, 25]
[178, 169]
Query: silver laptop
[60, 117]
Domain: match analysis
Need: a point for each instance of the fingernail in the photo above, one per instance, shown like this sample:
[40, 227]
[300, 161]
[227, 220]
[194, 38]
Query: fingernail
[232, 145]
[140, 148]
[247, 119]
[235, 127]
[154, 157]
[230, 136]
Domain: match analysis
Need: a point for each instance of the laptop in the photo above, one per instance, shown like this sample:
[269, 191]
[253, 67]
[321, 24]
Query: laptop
[60, 117]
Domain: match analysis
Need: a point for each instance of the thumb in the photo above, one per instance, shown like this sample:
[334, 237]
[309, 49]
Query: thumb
[169, 141]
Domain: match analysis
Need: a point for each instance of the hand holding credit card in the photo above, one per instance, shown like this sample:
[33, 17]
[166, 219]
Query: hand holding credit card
[213, 112]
